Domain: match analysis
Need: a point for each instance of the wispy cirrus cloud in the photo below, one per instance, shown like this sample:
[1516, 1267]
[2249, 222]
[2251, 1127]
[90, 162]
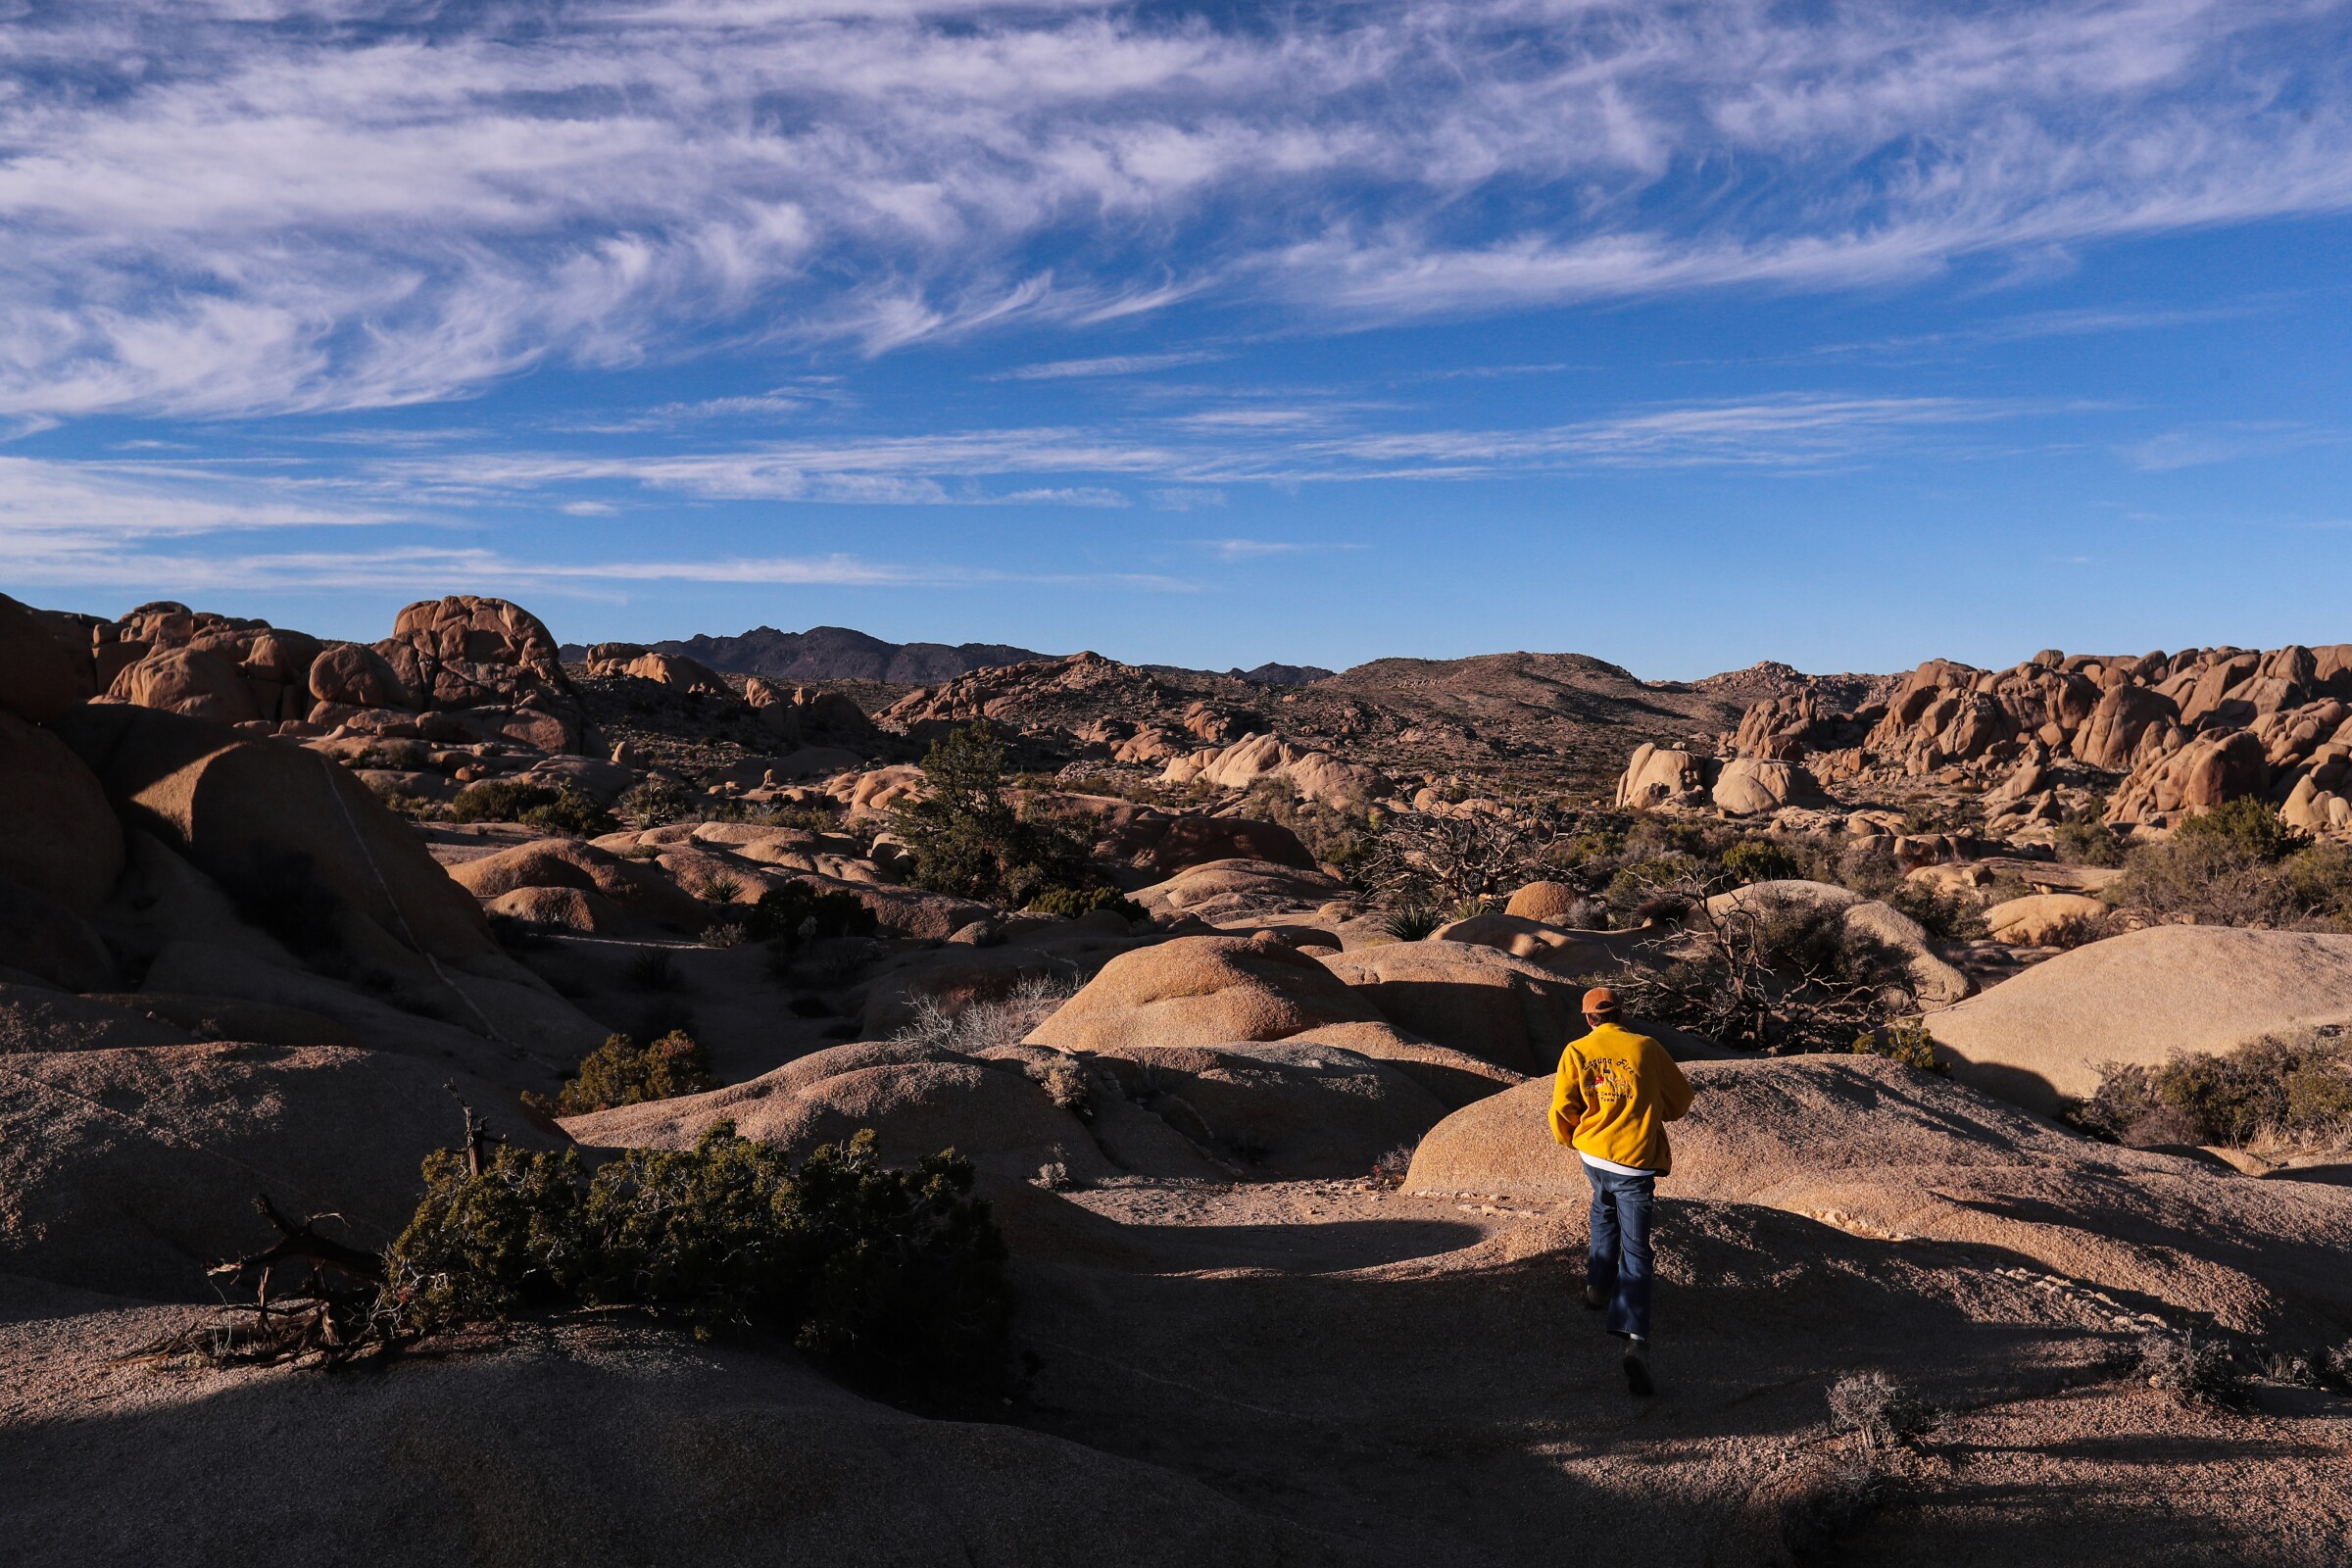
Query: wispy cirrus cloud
[1109, 365]
[223, 209]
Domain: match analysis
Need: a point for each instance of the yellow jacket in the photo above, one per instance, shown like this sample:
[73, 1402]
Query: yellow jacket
[1614, 1096]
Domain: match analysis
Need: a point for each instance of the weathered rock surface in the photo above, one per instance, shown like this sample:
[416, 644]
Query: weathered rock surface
[39, 678]
[2138, 997]
[1881, 1150]
[290, 834]
[132, 1170]
[58, 836]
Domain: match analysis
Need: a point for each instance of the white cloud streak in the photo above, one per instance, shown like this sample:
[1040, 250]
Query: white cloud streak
[238, 207]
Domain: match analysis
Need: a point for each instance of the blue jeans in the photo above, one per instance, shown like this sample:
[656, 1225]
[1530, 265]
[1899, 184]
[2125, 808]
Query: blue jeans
[1619, 1264]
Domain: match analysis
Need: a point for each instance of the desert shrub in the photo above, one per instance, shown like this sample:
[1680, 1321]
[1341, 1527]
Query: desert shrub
[2334, 1367]
[485, 1243]
[1067, 1084]
[2240, 864]
[797, 913]
[1341, 839]
[725, 933]
[1072, 903]
[1637, 886]
[2091, 842]
[899, 1273]
[1878, 1411]
[653, 969]
[966, 836]
[621, 1072]
[2243, 827]
[573, 810]
[1905, 1039]
[989, 1021]
[1389, 1169]
[1945, 916]
[1774, 974]
[1753, 861]
[656, 803]
[2297, 1088]
[496, 800]
[720, 889]
[2195, 1372]
[1414, 922]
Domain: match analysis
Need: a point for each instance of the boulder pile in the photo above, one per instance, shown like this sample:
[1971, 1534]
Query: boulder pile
[2173, 734]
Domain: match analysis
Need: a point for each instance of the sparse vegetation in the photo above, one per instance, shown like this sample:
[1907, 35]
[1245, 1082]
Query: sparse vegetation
[621, 1072]
[1774, 974]
[2199, 1373]
[2240, 864]
[898, 1274]
[1071, 903]
[656, 803]
[987, 1022]
[653, 969]
[563, 808]
[967, 837]
[2293, 1091]
[2089, 843]
[1753, 861]
[1343, 840]
[797, 913]
[1878, 1411]
[1905, 1039]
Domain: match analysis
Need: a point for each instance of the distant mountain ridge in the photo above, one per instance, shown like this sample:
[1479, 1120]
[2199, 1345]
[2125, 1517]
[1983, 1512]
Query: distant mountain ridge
[839, 653]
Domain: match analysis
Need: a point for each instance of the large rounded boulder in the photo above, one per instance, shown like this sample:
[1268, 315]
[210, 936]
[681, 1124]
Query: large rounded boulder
[2050, 1034]
[58, 836]
[39, 677]
[302, 844]
[1211, 991]
[1512, 1012]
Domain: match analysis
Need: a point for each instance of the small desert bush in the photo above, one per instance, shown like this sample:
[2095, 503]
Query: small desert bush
[1904, 1040]
[986, 1022]
[656, 803]
[1752, 861]
[2194, 1371]
[1415, 922]
[496, 800]
[1389, 1169]
[573, 810]
[1071, 903]
[896, 1273]
[2293, 1089]
[1341, 839]
[1779, 975]
[1878, 1411]
[2240, 864]
[720, 889]
[621, 1072]
[796, 914]
[653, 969]
[2090, 843]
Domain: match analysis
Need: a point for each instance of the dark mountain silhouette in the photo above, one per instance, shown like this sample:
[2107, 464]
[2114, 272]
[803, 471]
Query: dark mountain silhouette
[837, 653]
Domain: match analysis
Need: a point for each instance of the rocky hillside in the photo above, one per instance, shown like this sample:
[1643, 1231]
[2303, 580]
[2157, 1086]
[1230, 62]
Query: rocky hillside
[833, 652]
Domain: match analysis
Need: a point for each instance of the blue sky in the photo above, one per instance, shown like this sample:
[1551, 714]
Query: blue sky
[1685, 335]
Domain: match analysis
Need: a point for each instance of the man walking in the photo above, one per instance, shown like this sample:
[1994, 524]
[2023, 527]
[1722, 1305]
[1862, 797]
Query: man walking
[1616, 1092]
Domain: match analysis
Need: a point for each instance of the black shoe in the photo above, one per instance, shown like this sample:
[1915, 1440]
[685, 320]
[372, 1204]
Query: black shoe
[1637, 1368]
[1594, 1300]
